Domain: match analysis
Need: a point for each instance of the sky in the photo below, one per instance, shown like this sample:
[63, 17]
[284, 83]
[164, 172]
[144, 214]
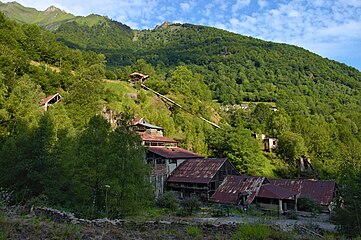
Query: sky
[330, 28]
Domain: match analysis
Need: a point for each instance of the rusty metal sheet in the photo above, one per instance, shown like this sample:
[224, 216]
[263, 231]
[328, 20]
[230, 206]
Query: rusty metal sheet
[197, 170]
[276, 192]
[173, 152]
[321, 191]
[233, 187]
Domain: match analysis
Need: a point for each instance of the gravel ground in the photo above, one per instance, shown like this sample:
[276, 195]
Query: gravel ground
[284, 224]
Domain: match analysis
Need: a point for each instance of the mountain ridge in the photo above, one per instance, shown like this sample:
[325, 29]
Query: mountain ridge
[235, 67]
[51, 18]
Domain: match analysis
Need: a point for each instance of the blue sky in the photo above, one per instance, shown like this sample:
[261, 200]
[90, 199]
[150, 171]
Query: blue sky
[330, 28]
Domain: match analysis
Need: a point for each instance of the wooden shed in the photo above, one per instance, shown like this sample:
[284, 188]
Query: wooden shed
[200, 177]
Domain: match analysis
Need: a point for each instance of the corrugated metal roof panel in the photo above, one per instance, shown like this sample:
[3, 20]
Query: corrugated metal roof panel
[276, 192]
[321, 191]
[173, 152]
[233, 186]
[197, 170]
[148, 125]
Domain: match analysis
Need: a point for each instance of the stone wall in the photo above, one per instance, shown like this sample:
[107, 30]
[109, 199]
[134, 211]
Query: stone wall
[64, 217]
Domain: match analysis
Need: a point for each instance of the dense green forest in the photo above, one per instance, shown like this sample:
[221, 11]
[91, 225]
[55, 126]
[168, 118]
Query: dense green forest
[64, 156]
[55, 156]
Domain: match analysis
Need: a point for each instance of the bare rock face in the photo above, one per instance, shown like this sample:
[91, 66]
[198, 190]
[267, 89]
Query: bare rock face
[133, 95]
[169, 25]
[52, 8]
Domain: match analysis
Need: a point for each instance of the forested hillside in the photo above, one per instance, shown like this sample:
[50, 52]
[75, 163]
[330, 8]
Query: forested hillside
[318, 98]
[65, 156]
[202, 68]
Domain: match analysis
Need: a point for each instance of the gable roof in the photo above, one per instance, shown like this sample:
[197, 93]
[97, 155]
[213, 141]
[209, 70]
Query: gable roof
[201, 170]
[173, 152]
[139, 75]
[276, 192]
[233, 187]
[49, 98]
[321, 191]
[142, 122]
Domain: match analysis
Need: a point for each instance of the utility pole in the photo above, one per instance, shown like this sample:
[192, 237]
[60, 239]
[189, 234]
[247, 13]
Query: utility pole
[106, 199]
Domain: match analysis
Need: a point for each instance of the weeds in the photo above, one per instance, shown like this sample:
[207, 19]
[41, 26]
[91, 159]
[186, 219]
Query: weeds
[3, 235]
[257, 232]
[67, 231]
[194, 232]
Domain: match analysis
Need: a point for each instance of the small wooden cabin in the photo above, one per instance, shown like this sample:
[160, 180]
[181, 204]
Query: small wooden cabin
[200, 177]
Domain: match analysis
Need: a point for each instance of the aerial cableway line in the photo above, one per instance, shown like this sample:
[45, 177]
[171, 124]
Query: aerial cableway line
[140, 78]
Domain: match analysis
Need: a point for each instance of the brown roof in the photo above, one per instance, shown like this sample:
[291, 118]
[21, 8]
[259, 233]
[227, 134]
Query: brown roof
[233, 186]
[173, 152]
[201, 170]
[321, 191]
[276, 192]
[136, 121]
[149, 138]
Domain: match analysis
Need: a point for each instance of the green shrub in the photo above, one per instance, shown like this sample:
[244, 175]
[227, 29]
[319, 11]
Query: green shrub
[190, 205]
[249, 231]
[305, 204]
[194, 232]
[38, 201]
[168, 200]
[218, 212]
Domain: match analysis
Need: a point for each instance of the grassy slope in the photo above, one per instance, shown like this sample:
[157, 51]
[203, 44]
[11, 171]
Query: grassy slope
[51, 18]
[146, 104]
[32, 16]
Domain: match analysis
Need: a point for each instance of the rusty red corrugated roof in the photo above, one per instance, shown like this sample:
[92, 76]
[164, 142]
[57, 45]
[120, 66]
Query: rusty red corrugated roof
[201, 170]
[276, 192]
[321, 191]
[150, 138]
[173, 152]
[233, 186]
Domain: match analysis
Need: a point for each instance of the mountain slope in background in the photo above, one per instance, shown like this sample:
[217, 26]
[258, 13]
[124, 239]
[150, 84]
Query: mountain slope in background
[50, 19]
[236, 68]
